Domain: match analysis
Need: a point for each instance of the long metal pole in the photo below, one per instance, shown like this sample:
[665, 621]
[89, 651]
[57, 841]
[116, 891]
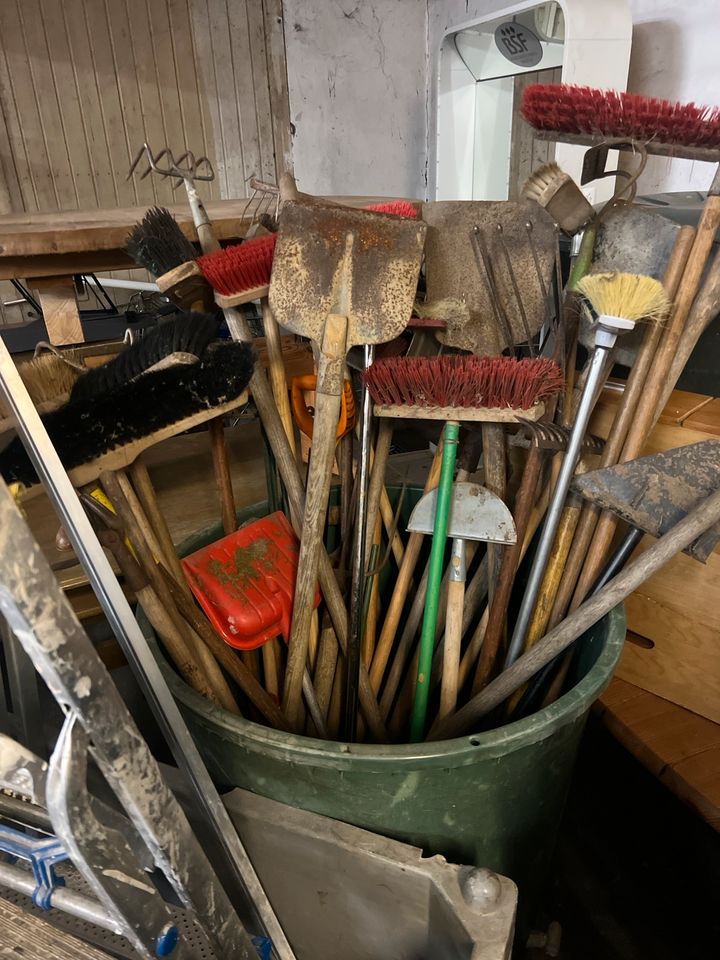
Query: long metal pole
[547, 538]
[244, 883]
[357, 583]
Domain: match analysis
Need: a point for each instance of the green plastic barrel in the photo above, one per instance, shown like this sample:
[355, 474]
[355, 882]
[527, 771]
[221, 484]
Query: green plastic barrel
[493, 799]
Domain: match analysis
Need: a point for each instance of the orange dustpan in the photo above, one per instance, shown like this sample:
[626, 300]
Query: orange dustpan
[245, 582]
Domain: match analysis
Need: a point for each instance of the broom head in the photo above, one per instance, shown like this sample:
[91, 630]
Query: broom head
[469, 382]
[627, 295]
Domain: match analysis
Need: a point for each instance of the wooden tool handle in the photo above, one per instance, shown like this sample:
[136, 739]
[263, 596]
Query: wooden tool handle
[551, 580]
[147, 496]
[402, 585]
[276, 372]
[451, 648]
[494, 462]
[175, 645]
[376, 484]
[287, 465]
[328, 398]
[221, 467]
[511, 559]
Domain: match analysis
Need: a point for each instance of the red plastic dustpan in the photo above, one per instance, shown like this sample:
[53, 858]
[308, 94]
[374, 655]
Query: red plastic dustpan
[245, 582]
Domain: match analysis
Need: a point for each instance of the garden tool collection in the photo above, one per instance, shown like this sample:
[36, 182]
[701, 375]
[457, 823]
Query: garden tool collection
[265, 621]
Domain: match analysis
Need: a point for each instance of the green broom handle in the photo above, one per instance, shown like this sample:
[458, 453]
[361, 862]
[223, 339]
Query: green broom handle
[451, 434]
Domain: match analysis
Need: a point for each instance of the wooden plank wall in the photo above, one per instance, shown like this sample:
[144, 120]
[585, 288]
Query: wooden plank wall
[84, 82]
[527, 153]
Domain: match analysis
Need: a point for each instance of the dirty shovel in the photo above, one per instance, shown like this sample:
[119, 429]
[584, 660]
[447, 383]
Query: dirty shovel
[475, 514]
[654, 493]
[493, 264]
[495, 260]
[341, 277]
[630, 239]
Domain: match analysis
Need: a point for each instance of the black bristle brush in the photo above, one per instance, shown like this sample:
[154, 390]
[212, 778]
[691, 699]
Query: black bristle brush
[87, 428]
[158, 244]
[182, 339]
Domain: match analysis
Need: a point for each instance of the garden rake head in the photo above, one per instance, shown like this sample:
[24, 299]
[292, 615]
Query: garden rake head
[551, 436]
[186, 167]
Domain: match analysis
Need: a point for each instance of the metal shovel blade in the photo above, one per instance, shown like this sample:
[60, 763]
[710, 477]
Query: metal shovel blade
[331, 259]
[518, 241]
[630, 239]
[654, 493]
[475, 514]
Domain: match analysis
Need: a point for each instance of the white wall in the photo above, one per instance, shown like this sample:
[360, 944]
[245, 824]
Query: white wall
[358, 81]
[675, 55]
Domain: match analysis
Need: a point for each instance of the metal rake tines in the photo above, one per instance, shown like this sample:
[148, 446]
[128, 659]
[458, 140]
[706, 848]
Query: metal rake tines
[185, 167]
[551, 436]
[267, 203]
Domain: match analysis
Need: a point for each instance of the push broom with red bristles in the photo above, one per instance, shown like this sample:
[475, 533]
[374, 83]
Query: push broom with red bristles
[466, 387]
[454, 389]
[667, 128]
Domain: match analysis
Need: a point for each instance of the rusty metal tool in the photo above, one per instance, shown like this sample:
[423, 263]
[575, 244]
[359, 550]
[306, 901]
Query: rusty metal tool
[653, 493]
[340, 277]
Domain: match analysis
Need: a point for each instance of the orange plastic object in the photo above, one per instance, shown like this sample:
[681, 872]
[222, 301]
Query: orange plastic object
[245, 582]
[304, 418]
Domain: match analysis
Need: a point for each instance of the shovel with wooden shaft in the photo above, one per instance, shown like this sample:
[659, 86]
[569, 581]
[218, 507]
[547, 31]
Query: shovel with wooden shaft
[340, 277]
[475, 514]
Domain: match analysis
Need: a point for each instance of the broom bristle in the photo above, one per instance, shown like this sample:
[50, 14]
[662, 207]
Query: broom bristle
[463, 381]
[446, 309]
[549, 176]
[240, 267]
[180, 338]
[87, 428]
[158, 244]
[49, 378]
[628, 295]
[396, 208]
[565, 108]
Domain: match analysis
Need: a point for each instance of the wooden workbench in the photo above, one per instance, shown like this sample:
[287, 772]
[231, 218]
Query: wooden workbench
[48, 249]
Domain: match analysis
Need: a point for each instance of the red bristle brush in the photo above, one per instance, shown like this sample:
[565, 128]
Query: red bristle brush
[396, 208]
[474, 388]
[664, 126]
[240, 273]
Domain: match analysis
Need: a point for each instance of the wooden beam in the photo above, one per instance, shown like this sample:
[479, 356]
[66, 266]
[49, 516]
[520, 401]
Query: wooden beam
[60, 310]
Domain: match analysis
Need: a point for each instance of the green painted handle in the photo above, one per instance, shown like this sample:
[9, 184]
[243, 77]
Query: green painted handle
[583, 261]
[435, 575]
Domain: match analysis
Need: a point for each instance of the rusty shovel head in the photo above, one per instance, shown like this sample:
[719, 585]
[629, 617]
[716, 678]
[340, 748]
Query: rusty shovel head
[482, 255]
[654, 493]
[331, 259]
